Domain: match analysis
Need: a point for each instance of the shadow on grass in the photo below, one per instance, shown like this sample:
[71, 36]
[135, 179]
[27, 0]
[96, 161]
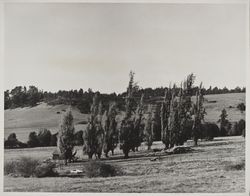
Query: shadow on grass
[235, 166]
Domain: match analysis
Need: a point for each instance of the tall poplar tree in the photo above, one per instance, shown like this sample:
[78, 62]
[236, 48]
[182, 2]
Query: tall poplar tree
[199, 112]
[65, 142]
[109, 124]
[149, 127]
[130, 124]
[93, 135]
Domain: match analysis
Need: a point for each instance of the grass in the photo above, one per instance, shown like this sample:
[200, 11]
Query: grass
[224, 101]
[24, 120]
[213, 166]
[202, 170]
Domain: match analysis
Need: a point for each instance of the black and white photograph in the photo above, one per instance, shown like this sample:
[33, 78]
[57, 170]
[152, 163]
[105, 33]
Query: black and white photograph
[125, 97]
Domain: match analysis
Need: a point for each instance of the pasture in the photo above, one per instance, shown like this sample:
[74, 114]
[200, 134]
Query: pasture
[210, 167]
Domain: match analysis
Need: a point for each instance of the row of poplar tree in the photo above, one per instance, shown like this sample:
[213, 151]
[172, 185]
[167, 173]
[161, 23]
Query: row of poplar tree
[104, 129]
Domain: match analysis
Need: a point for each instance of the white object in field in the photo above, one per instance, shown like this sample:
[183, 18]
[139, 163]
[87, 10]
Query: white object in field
[76, 171]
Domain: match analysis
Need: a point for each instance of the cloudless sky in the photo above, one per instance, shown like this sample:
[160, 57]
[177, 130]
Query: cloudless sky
[58, 46]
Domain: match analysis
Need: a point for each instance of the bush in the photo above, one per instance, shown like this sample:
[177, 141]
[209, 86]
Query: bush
[24, 167]
[33, 140]
[99, 169]
[28, 167]
[241, 126]
[236, 166]
[209, 131]
[238, 128]
[44, 136]
[11, 141]
[22, 145]
[45, 170]
[10, 167]
[241, 107]
[244, 133]
[53, 139]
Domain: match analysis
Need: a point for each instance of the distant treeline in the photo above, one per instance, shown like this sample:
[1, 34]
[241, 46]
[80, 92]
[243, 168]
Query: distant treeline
[42, 138]
[22, 96]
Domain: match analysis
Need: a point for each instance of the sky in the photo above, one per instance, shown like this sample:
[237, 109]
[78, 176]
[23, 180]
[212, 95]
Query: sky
[57, 46]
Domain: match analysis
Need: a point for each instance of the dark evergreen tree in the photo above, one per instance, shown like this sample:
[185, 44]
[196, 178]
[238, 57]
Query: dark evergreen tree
[224, 123]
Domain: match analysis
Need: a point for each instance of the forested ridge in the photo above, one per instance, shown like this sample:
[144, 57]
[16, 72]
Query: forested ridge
[22, 96]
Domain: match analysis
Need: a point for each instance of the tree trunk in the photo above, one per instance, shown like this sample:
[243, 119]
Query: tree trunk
[125, 154]
[196, 141]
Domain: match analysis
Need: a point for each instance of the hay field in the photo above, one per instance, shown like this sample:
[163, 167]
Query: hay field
[211, 167]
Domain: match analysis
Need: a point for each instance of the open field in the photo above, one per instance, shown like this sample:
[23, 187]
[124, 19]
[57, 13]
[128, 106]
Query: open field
[205, 169]
[227, 101]
[24, 120]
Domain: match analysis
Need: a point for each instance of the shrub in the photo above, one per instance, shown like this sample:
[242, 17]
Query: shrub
[99, 169]
[33, 140]
[242, 126]
[238, 128]
[44, 136]
[53, 139]
[10, 167]
[11, 141]
[236, 166]
[241, 107]
[45, 170]
[24, 167]
[28, 167]
[244, 133]
[210, 130]
[22, 145]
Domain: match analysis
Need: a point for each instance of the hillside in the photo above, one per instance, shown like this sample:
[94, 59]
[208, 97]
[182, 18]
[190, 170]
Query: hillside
[227, 101]
[24, 120]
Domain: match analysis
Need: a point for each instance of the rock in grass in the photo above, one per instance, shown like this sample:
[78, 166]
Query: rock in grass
[180, 149]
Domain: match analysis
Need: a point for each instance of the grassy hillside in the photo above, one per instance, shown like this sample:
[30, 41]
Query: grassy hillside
[24, 120]
[227, 101]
